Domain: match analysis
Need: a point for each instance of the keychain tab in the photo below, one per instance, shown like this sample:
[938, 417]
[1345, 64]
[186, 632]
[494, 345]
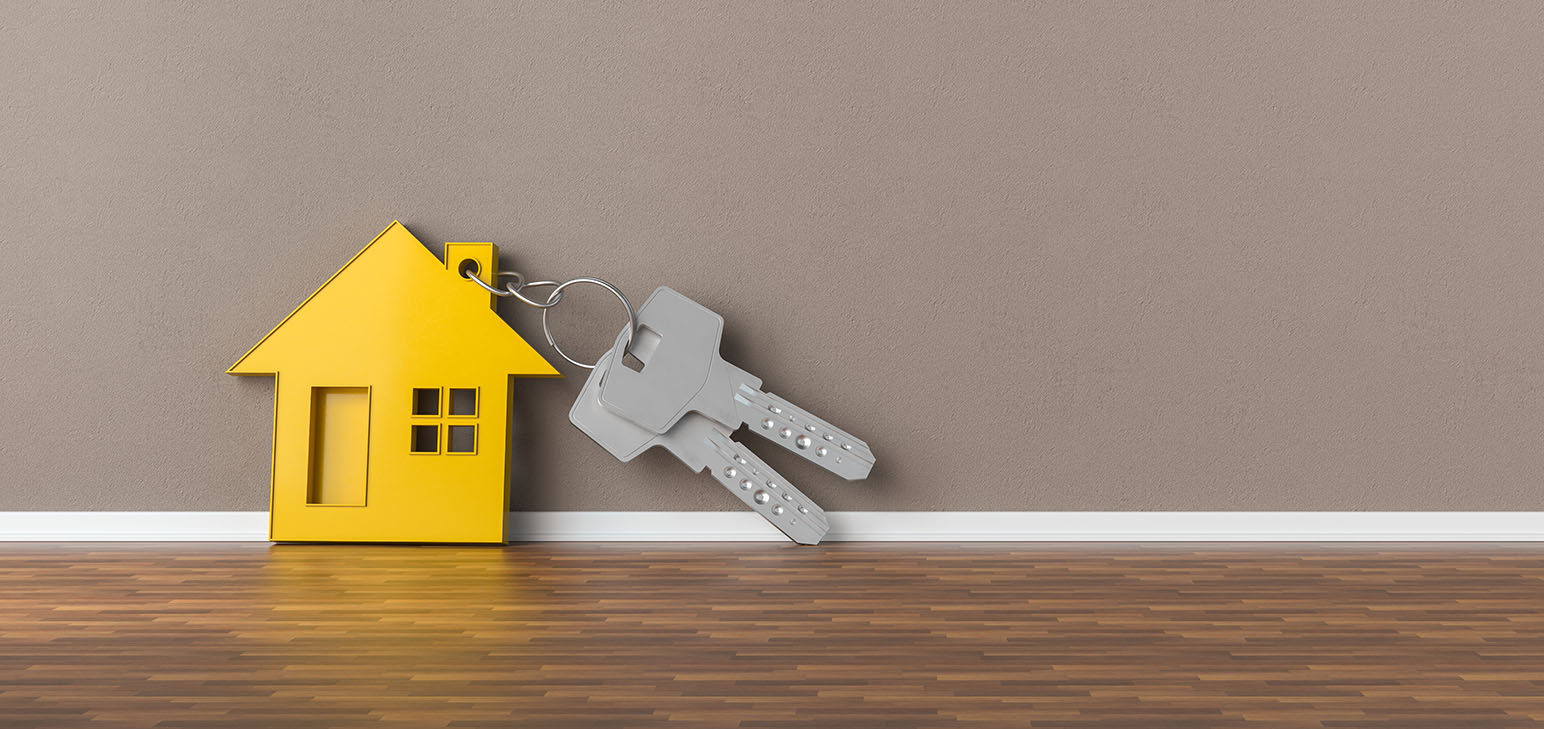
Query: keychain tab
[474, 259]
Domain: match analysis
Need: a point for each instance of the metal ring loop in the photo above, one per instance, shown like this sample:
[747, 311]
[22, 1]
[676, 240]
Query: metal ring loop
[506, 291]
[551, 301]
[514, 288]
[557, 293]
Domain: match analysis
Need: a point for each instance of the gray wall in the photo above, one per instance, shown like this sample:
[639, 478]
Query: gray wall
[1077, 256]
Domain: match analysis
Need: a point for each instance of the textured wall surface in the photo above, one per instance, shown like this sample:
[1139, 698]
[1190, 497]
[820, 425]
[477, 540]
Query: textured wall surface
[1268, 255]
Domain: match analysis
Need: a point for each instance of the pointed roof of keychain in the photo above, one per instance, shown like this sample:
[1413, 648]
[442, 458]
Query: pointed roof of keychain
[395, 309]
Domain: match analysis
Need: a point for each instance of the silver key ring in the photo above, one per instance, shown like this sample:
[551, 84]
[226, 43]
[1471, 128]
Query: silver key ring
[513, 289]
[471, 275]
[551, 302]
[557, 295]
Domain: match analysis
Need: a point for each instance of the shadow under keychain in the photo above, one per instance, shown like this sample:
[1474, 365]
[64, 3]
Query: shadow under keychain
[688, 400]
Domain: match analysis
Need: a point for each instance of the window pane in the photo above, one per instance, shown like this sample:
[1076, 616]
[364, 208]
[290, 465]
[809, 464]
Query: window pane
[463, 401]
[426, 401]
[426, 439]
[463, 439]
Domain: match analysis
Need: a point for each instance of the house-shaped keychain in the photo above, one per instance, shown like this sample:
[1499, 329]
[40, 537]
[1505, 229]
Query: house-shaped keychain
[392, 398]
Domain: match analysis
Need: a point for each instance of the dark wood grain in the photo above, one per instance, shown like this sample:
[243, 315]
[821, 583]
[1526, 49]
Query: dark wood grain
[767, 635]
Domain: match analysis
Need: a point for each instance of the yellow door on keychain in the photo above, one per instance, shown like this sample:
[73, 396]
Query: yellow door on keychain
[392, 398]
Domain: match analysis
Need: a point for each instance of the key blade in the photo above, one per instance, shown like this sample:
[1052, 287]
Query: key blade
[701, 443]
[791, 427]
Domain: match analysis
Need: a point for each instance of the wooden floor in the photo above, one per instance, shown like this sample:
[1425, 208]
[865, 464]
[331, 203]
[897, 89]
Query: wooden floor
[758, 635]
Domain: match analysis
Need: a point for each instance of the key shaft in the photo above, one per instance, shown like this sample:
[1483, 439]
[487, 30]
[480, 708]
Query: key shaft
[790, 426]
[704, 444]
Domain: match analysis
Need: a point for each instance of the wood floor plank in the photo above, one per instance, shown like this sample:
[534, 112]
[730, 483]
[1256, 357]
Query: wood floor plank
[752, 635]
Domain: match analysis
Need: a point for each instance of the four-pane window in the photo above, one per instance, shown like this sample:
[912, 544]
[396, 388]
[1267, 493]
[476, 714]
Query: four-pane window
[439, 420]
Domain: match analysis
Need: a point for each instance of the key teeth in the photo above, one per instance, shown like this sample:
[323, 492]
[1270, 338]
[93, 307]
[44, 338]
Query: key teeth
[795, 429]
[786, 508]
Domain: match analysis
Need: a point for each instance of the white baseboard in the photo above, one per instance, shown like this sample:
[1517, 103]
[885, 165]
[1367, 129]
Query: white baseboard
[854, 526]
[133, 526]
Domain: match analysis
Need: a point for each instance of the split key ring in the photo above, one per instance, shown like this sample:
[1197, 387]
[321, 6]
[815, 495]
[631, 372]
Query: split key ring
[557, 294]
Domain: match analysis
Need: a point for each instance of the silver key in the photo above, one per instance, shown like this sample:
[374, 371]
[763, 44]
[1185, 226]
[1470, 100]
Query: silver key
[678, 343]
[702, 443]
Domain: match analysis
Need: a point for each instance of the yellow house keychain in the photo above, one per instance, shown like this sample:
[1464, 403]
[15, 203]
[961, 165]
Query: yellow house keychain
[391, 417]
[392, 412]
